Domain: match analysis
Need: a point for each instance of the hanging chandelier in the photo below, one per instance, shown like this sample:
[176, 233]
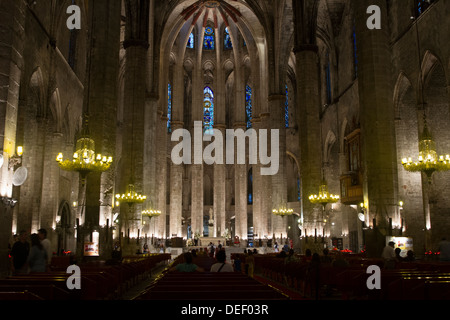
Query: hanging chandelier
[84, 159]
[131, 196]
[428, 161]
[282, 212]
[151, 213]
[324, 197]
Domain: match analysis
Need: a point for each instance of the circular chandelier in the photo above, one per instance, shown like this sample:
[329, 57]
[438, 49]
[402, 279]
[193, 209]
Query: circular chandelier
[324, 197]
[282, 212]
[428, 160]
[84, 159]
[131, 196]
[151, 213]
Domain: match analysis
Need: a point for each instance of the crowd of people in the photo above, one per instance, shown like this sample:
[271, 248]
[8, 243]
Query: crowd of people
[30, 254]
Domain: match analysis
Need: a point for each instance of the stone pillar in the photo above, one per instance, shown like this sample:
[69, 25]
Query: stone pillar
[279, 184]
[379, 155]
[12, 27]
[161, 172]
[197, 169]
[308, 101]
[263, 192]
[101, 102]
[219, 193]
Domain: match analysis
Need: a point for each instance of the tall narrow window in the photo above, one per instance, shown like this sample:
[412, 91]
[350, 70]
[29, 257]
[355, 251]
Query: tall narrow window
[286, 109]
[248, 106]
[299, 192]
[250, 187]
[191, 41]
[228, 44]
[421, 6]
[208, 111]
[209, 42]
[328, 78]
[355, 52]
[169, 108]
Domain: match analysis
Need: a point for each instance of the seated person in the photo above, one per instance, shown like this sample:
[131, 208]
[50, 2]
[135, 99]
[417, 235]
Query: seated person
[221, 265]
[187, 265]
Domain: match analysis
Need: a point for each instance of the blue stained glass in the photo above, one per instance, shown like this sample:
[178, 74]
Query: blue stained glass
[299, 194]
[208, 113]
[248, 106]
[228, 43]
[250, 187]
[169, 108]
[209, 42]
[286, 109]
[191, 41]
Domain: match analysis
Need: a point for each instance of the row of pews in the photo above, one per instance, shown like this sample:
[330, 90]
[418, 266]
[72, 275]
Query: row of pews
[408, 281]
[99, 280]
[208, 285]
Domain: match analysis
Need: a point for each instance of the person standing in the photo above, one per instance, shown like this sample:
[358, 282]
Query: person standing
[19, 254]
[46, 244]
[388, 255]
[37, 259]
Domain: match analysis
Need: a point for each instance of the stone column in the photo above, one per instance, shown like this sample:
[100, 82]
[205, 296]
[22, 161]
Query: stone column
[197, 168]
[176, 171]
[219, 183]
[279, 184]
[376, 114]
[309, 123]
[101, 102]
[12, 26]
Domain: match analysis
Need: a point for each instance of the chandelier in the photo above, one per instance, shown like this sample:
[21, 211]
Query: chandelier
[131, 196]
[324, 197]
[151, 213]
[428, 160]
[84, 159]
[282, 212]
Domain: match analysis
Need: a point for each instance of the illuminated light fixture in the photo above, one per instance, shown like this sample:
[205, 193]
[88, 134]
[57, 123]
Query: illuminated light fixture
[324, 197]
[151, 213]
[16, 159]
[84, 159]
[282, 212]
[131, 196]
[428, 161]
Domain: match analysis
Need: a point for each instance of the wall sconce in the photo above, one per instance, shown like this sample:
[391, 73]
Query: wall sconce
[9, 202]
[16, 159]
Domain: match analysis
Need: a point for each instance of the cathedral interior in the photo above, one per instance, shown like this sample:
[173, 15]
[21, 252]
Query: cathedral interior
[88, 116]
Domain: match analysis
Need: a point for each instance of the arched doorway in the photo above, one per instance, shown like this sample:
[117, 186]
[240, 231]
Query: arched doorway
[63, 228]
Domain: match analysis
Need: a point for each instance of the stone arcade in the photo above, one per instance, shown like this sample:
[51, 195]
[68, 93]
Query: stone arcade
[348, 101]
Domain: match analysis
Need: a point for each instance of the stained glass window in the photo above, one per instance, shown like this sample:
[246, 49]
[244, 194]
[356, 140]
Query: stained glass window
[208, 113]
[250, 187]
[169, 108]
[286, 108]
[328, 79]
[355, 51]
[191, 41]
[299, 193]
[208, 42]
[421, 6]
[248, 106]
[228, 44]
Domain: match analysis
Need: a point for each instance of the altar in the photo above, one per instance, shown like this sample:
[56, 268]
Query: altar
[205, 241]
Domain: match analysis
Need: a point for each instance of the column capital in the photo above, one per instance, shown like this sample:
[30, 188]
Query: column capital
[239, 125]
